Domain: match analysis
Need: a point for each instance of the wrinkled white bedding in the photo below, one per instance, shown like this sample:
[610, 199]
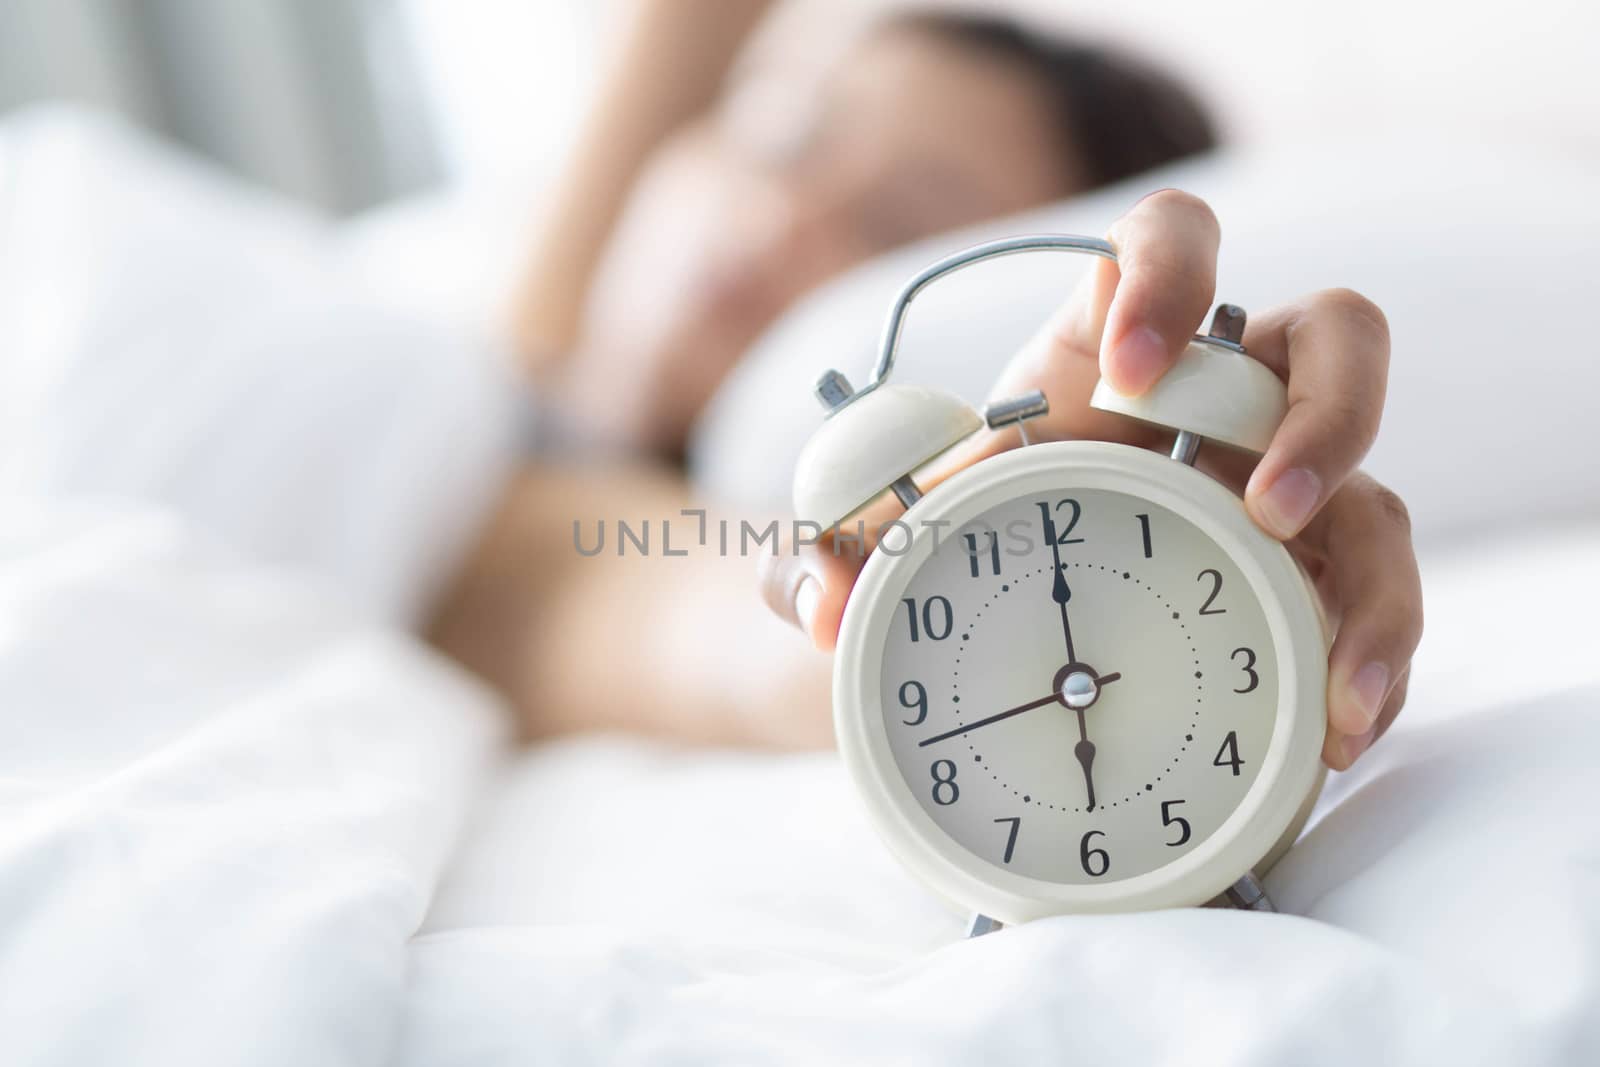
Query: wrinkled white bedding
[172, 337]
[245, 819]
[225, 806]
[224, 801]
[626, 904]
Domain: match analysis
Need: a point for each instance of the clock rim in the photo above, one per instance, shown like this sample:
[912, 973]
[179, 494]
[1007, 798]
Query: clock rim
[1289, 771]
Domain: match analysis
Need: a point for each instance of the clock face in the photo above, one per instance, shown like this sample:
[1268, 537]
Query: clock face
[1078, 686]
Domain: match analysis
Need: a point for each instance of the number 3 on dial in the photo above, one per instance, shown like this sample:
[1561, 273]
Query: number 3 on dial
[1249, 669]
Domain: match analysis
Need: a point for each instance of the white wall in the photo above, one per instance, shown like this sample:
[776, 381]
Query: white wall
[508, 78]
[511, 76]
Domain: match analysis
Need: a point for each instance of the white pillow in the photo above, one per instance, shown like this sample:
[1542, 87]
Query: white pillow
[1483, 261]
[169, 335]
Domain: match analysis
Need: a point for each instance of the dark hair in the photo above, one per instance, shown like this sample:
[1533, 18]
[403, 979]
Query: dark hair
[1119, 117]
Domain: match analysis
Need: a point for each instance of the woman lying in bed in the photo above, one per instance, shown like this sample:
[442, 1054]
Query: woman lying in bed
[932, 123]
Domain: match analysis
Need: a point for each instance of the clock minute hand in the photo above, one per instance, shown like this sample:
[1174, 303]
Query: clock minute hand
[1061, 592]
[948, 734]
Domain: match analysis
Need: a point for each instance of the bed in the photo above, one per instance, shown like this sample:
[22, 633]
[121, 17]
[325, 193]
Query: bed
[246, 817]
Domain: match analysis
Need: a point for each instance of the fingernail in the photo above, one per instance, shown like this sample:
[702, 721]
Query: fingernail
[1287, 503]
[1368, 687]
[806, 599]
[1136, 362]
[1352, 747]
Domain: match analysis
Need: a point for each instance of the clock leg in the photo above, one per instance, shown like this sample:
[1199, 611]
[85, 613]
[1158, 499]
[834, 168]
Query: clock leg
[982, 924]
[1248, 894]
[1186, 447]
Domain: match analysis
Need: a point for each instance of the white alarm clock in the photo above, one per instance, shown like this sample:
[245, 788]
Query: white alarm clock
[1075, 677]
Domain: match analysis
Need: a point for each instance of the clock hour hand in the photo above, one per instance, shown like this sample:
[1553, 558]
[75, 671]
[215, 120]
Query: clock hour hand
[1084, 750]
[948, 734]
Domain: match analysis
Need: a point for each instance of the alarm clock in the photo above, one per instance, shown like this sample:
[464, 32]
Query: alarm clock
[1074, 677]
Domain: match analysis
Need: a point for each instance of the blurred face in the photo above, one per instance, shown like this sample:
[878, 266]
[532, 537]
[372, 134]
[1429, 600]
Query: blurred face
[737, 218]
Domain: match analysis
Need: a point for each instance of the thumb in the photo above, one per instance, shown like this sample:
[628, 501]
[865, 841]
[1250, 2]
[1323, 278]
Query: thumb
[808, 585]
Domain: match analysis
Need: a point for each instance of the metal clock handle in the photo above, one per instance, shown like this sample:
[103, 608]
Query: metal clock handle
[1227, 327]
[938, 421]
[835, 391]
[1006, 246]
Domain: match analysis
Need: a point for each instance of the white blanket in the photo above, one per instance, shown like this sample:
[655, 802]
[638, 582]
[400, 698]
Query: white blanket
[228, 779]
[243, 820]
[225, 806]
[224, 803]
[175, 338]
[625, 904]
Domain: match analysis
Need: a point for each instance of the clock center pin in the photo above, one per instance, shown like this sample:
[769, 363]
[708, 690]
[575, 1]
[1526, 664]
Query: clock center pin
[1079, 689]
[1077, 685]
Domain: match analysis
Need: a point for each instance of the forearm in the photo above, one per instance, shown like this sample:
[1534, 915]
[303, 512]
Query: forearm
[675, 647]
[670, 63]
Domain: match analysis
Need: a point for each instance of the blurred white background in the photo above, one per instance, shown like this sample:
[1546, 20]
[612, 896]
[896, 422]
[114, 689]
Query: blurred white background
[347, 103]
[342, 103]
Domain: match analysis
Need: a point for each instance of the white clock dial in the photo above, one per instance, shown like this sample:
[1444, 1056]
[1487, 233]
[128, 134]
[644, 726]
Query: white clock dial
[1080, 712]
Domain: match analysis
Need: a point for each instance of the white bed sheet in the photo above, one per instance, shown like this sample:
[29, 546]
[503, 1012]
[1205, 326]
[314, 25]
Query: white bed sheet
[172, 336]
[217, 843]
[224, 800]
[625, 903]
[229, 474]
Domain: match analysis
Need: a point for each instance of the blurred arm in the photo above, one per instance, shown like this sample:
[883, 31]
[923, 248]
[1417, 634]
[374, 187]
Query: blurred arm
[671, 63]
[673, 646]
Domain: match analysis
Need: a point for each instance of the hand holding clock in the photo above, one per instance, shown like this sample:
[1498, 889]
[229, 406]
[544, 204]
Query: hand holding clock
[1129, 321]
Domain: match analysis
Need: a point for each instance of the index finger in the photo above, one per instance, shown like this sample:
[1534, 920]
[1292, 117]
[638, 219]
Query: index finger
[1167, 257]
[1333, 350]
